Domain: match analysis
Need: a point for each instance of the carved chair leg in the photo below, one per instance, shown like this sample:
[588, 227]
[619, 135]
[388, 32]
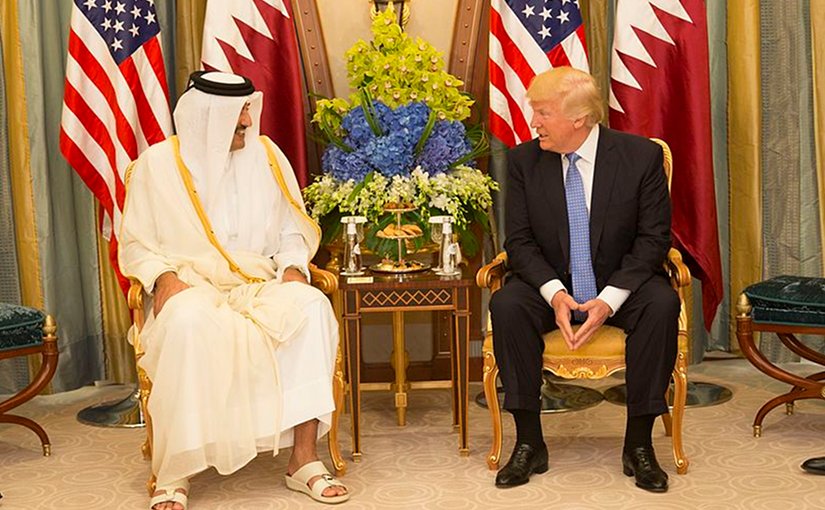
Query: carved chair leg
[152, 484]
[338, 463]
[489, 381]
[48, 365]
[678, 414]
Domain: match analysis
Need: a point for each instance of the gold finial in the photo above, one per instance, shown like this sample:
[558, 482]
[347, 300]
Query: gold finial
[743, 306]
[405, 9]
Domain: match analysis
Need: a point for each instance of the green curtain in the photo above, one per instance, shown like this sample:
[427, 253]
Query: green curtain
[65, 215]
[64, 212]
[14, 373]
[791, 237]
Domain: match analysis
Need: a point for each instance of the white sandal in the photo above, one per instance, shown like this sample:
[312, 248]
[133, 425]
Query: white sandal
[299, 481]
[171, 494]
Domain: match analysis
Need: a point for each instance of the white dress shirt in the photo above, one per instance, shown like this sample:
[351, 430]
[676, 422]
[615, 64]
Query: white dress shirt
[613, 296]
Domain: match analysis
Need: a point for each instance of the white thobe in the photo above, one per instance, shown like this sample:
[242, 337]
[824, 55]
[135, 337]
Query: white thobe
[234, 365]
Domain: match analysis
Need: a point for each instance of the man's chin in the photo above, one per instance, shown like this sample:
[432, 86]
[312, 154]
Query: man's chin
[238, 144]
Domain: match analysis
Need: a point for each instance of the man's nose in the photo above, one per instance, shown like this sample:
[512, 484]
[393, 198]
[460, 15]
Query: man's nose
[246, 120]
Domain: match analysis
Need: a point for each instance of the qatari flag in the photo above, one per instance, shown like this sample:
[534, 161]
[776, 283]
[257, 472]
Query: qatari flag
[660, 88]
[256, 39]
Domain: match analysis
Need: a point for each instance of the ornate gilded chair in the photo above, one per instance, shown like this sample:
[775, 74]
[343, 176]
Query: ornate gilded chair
[602, 356]
[25, 331]
[325, 281]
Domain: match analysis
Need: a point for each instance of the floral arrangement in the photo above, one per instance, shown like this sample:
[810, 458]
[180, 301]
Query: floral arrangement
[399, 143]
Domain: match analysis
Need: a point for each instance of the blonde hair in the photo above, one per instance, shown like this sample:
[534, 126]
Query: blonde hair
[575, 90]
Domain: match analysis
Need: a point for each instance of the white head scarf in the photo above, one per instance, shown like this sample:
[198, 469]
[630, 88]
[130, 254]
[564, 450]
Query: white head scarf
[236, 187]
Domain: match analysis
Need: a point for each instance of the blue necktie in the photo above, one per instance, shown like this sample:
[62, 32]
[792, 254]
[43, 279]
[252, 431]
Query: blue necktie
[581, 268]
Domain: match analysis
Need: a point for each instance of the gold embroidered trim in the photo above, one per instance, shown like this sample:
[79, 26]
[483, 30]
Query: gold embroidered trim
[279, 178]
[207, 227]
[127, 176]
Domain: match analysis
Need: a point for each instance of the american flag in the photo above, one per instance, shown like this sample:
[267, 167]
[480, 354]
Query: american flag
[528, 37]
[115, 101]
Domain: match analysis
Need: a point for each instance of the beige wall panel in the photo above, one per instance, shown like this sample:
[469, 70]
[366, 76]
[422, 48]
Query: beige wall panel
[346, 21]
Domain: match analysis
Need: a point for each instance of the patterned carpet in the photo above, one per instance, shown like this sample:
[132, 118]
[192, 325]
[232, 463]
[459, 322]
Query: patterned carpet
[417, 467]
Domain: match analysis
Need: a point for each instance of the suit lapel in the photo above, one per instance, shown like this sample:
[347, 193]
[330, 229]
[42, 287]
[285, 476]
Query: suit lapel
[604, 173]
[549, 166]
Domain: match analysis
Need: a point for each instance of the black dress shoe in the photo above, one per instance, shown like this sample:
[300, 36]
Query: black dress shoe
[524, 461]
[641, 463]
[815, 465]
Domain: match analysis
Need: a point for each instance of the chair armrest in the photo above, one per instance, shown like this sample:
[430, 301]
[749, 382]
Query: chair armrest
[677, 270]
[490, 276]
[135, 301]
[324, 280]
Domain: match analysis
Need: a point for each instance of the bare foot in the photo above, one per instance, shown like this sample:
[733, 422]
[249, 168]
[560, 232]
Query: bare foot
[295, 465]
[168, 505]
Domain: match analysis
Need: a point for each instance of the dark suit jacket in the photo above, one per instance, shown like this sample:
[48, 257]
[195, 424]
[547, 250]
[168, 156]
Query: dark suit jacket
[629, 213]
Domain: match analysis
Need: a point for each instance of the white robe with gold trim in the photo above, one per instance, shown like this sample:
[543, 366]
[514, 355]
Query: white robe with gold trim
[234, 365]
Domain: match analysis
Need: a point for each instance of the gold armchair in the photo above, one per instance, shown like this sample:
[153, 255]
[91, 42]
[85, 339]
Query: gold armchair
[323, 280]
[602, 356]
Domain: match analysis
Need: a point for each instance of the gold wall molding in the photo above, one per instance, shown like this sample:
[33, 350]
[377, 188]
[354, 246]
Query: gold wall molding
[317, 77]
[468, 58]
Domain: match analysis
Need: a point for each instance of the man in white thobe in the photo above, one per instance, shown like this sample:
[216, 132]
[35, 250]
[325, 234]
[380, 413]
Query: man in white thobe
[239, 348]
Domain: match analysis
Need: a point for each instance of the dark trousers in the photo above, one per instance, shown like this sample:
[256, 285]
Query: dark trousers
[649, 317]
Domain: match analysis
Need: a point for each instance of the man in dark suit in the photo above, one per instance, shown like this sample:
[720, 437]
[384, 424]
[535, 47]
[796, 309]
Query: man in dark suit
[588, 230]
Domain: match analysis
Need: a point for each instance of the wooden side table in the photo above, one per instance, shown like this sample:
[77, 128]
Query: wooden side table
[787, 306]
[397, 294]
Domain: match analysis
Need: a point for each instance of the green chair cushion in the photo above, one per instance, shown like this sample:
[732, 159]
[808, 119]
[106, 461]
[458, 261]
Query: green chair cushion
[790, 300]
[20, 326]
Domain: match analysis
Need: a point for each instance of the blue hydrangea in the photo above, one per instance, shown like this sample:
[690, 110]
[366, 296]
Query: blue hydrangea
[391, 155]
[409, 120]
[447, 144]
[393, 152]
[344, 165]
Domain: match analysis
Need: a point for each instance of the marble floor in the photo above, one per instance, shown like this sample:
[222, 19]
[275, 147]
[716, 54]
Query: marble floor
[418, 466]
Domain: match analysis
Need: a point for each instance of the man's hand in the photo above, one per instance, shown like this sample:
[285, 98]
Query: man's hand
[563, 304]
[292, 274]
[167, 285]
[597, 312]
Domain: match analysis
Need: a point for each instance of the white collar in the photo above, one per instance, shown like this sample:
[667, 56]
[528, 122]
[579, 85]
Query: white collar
[587, 150]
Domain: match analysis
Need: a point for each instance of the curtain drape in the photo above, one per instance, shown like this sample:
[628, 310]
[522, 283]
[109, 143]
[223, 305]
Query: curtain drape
[13, 372]
[188, 39]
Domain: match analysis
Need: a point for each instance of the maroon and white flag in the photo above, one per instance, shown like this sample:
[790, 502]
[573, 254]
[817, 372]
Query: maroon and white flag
[256, 39]
[115, 100]
[660, 87]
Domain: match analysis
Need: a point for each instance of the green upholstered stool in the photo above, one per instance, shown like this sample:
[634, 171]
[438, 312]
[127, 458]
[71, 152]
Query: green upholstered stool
[787, 306]
[25, 331]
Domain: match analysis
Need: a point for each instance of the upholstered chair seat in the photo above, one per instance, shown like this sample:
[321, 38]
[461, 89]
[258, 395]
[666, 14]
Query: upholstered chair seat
[786, 306]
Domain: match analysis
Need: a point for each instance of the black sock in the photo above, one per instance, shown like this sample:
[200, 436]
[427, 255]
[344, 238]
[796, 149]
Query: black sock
[639, 431]
[528, 427]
